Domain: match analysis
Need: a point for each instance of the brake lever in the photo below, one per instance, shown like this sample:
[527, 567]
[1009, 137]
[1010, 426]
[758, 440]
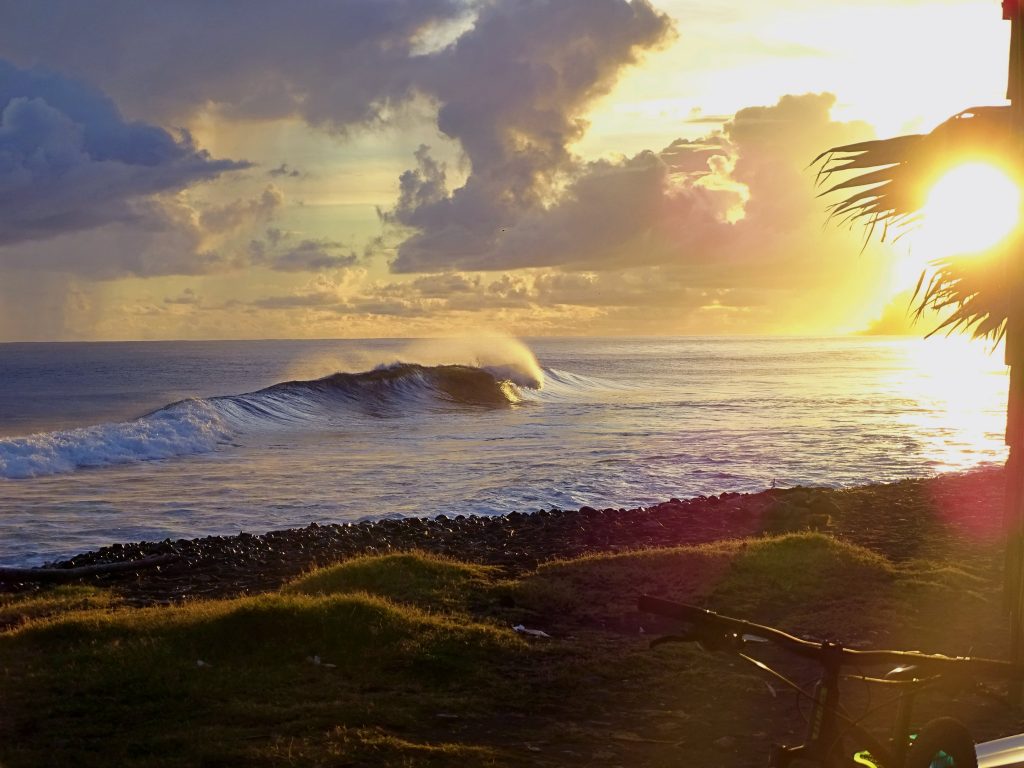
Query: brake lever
[711, 642]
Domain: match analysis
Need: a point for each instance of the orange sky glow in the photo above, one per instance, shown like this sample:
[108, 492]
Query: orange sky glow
[599, 167]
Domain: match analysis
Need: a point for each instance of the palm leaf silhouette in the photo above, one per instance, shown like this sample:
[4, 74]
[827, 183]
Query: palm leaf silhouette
[885, 183]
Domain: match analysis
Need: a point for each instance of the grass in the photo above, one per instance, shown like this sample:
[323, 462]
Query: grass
[229, 672]
[427, 581]
[411, 660]
[18, 609]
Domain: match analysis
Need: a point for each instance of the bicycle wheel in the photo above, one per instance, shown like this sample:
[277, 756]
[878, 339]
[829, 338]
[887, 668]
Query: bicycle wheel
[943, 743]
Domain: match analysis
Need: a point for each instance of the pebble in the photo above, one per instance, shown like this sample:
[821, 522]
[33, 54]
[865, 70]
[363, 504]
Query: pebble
[249, 563]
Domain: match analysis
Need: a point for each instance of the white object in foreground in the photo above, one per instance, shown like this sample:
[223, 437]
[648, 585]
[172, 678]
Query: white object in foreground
[1002, 753]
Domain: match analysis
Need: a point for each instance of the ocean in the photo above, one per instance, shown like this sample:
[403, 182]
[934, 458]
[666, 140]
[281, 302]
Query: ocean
[106, 442]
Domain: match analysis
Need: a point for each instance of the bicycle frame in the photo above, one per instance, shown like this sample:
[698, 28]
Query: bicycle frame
[829, 731]
[825, 735]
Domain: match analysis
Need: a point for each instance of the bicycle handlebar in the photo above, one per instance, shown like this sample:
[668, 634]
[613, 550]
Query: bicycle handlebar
[711, 622]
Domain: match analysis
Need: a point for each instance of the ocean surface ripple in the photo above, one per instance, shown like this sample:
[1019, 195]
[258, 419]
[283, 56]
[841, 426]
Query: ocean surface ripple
[152, 440]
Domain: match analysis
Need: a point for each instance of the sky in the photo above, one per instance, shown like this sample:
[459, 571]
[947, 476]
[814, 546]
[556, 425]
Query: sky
[417, 168]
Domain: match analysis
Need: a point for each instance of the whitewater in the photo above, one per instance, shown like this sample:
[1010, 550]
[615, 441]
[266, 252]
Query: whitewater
[146, 441]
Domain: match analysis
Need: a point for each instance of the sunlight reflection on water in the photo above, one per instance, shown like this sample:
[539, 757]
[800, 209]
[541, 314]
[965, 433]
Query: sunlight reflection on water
[958, 391]
[620, 422]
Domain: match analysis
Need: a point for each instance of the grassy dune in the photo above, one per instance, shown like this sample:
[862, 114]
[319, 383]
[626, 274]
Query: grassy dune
[410, 659]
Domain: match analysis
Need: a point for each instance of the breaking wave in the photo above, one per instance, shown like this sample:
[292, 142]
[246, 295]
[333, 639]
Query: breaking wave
[198, 426]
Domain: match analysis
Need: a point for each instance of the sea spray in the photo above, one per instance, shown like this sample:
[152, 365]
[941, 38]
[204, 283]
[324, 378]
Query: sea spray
[507, 357]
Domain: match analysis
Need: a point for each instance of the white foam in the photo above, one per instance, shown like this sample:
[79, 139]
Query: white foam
[506, 357]
[188, 427]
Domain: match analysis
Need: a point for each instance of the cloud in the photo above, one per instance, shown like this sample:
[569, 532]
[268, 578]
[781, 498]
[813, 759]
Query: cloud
[334, 64]
[168, 235]
[724, 232]
[614, 214]
[42, 307]
[285, 170]
[511, 85]
[444, 286]
[310, 256]
[70, 162]
[513, 88]
[164, 239]
[724, 225]
[186, 298]
[513, 92]
[319, 299]
[741, 196]
[899, 318]
[241, 213]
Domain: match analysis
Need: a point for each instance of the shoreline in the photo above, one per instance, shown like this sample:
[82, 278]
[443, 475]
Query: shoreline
[902, 519]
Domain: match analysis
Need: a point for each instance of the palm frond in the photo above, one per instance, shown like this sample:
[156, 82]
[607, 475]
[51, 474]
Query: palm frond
[891, 177]
[976, 291]
[885, 183]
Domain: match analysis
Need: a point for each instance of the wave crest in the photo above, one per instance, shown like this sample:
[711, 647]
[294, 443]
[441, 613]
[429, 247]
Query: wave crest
[188, 427]
[203, 425]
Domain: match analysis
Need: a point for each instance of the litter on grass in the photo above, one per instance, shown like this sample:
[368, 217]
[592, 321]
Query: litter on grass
[531, 632]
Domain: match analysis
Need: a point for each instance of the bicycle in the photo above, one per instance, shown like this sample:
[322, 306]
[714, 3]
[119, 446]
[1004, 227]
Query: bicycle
[834, 739]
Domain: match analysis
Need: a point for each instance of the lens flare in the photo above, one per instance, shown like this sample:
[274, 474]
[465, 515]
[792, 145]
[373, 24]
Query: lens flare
[969, 209]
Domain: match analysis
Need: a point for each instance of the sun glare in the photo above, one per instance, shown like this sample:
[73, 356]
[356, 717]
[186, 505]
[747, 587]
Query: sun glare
[969, 209]
[959, 387]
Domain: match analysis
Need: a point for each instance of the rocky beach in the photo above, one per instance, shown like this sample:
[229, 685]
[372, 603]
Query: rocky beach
[899, 520]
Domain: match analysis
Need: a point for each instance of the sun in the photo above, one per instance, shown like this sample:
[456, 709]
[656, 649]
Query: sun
[969, 209]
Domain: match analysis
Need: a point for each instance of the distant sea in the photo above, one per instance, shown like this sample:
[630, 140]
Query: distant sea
[108, 442]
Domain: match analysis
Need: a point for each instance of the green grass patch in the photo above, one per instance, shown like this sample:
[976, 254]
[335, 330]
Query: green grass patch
[599, 589]
[16, 610]
[764, 578]
[412, 577]
[772, 577]
[226, 672]
[409, 660]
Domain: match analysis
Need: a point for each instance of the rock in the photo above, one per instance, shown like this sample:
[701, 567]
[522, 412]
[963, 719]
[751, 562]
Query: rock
[222, 566]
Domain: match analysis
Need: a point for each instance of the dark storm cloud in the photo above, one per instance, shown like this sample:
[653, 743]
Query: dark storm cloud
[162, 239]
[69, 161]
[334, 63]
[513, 91]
